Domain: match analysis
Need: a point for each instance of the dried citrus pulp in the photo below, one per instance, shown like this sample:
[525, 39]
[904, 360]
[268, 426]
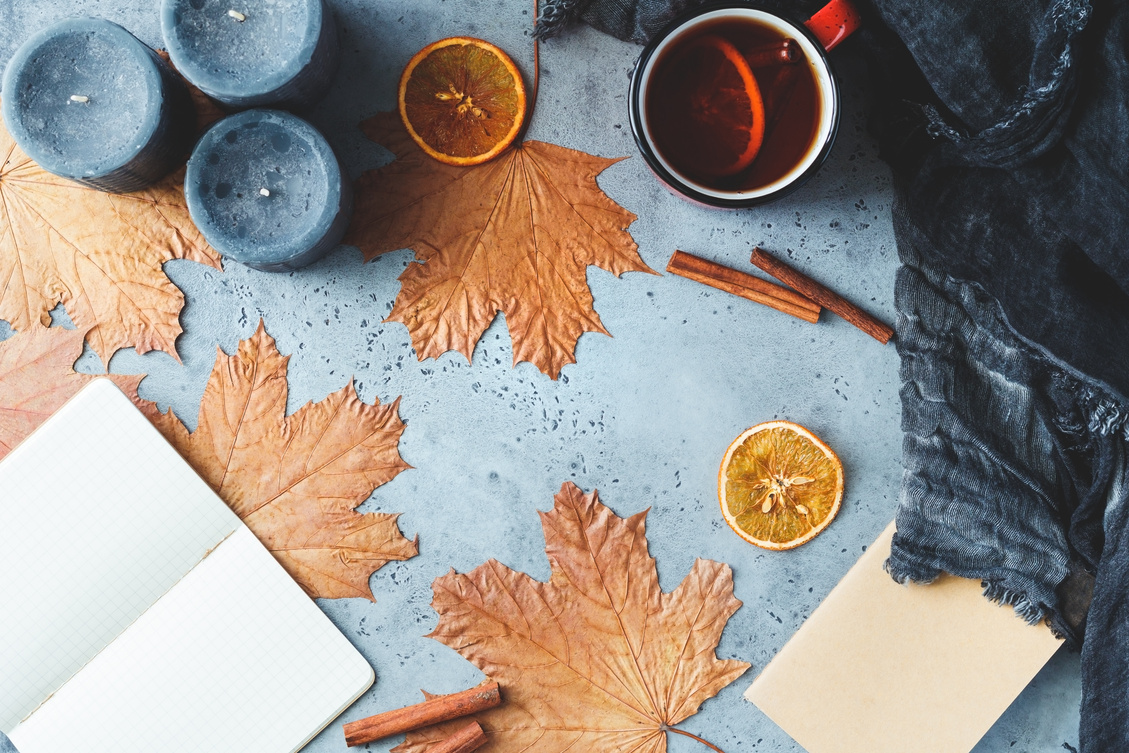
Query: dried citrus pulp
[779, 485]
[462, 100]
[714, 102]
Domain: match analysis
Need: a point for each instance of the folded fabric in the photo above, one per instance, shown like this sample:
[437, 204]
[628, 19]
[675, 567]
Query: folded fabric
[1013, 313]
[638, 20]
[1006, 125]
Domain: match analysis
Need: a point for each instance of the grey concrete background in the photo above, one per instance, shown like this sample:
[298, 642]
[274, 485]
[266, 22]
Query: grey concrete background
[643, 417]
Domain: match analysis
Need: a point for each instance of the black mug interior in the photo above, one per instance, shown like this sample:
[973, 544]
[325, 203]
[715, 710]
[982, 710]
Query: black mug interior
[734, 194]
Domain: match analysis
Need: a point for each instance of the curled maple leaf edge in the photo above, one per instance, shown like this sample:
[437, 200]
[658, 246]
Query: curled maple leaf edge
[551, 646]
[513, 236]
[296, 479]
[37, 377]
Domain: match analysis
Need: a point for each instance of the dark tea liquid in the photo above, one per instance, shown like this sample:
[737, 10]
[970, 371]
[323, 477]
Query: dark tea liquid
[789, 91]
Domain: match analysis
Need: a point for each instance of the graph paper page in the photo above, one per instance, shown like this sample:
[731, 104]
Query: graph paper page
[99, 517]
[235, 657]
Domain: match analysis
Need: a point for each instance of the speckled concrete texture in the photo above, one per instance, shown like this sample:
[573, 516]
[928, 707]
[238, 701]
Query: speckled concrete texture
[644, 416]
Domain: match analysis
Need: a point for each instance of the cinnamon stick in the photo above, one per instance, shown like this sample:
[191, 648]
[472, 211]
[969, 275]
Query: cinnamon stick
[776, 53]
[468, 738]
[823, 295]
[439, 709]
[745, 285]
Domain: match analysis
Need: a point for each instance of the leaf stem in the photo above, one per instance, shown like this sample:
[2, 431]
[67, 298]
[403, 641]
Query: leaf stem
[531, 102]
[706, 743]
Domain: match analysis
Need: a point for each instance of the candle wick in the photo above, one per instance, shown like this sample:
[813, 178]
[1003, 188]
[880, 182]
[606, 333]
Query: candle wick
[237, 16]
[264, 192]
[81, 99]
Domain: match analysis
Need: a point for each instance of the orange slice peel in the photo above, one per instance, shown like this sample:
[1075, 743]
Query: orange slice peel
[779, 485]
[711, 100]
[742, 107]
[462, 100]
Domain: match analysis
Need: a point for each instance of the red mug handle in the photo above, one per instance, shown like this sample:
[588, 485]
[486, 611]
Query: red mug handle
[834, 22]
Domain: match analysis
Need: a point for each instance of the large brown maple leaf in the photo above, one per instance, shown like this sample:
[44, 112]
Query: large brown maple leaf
[295, 480]
[100, 254]
[514, 235]
[598, 658]
[36, 378]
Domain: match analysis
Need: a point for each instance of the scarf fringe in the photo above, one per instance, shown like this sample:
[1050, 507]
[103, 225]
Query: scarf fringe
[555, 16]
[1032, 612]
[905, 572]
[1105, 416]
[994, 143]
[1091, 412]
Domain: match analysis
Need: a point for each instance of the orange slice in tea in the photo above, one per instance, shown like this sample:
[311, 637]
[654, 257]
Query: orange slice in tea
[462, 100]
[779, 485]
[716, 106]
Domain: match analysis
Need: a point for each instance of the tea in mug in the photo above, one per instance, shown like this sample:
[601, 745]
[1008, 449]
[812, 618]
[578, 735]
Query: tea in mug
[734, 105]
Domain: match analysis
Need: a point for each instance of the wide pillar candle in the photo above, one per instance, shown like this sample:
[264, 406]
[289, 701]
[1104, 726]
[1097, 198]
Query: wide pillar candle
[245, 54]
[266, 190]
[88, 101]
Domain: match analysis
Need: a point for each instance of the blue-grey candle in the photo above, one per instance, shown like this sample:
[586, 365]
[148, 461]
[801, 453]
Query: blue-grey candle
[244, 54]
[265, 189]
[88, 101]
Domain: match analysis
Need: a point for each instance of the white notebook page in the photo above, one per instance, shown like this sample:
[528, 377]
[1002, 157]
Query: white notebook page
[99, 517]
[236, 657]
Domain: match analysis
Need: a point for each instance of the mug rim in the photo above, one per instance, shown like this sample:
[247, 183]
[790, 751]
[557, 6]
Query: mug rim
[680, 185]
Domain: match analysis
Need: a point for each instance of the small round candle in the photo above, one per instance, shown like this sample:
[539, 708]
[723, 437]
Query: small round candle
[253, 54]
[88, 101]
[266, 190]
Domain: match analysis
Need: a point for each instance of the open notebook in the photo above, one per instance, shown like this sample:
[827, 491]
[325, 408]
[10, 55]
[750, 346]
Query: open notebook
[138, 614]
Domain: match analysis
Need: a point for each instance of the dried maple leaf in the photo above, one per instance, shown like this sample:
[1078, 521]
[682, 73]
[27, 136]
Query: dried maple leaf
[598, 658]
[100, 254]
[514, 235]
[295, 480]
[36, 378]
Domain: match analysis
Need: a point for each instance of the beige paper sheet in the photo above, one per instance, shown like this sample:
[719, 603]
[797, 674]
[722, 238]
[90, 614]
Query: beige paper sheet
[885, 668]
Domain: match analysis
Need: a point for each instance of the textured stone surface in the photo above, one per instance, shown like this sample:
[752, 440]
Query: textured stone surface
[643, 416]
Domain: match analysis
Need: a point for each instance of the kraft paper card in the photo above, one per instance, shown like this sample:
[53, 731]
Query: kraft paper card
[893, 668]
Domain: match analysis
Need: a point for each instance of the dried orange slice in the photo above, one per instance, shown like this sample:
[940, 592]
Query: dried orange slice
[779, 485]
[462, 100]
[714, 103]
